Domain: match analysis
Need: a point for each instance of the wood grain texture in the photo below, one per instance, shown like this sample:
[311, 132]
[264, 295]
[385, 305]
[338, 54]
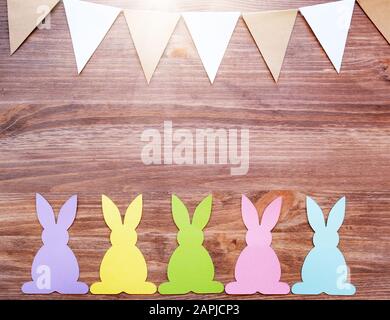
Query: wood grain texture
[315, 132]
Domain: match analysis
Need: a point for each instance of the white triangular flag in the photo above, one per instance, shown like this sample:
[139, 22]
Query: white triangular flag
[330, 23]
[211, 33]
[88, 24]
[151, 31]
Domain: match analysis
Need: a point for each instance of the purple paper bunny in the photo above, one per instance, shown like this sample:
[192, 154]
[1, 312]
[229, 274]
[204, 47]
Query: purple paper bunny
[55, 267]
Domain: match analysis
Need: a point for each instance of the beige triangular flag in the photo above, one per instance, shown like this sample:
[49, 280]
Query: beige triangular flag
[379, 13]
[24, 16]
[271, 31]
[151, 31]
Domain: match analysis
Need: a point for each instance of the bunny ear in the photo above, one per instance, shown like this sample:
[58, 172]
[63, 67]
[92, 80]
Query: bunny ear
[111, 213]
[202, 213]
[180, 213]
[271, 214]
[314, 215]
[249, 213]
[44, 211]
[134, 213]
[68, 213]
[336, 215]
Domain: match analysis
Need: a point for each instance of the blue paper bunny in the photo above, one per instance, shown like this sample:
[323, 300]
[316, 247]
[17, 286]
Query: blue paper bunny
[324, 269]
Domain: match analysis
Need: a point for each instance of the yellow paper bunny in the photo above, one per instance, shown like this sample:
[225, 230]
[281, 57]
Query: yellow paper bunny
[123, 268]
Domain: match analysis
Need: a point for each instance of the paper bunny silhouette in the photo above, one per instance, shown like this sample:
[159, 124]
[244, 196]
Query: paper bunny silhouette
[190, 267]
[325, 269]
[258, 268]
[123, 268]
[55, 267]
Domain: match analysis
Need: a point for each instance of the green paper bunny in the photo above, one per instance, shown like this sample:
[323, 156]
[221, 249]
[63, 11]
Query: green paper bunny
[190, 267]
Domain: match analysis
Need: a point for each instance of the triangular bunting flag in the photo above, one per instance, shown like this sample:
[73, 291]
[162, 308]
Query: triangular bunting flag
[211, 33]
[88, 24]
[24, 16]
[271, 31]
[330, 23]
[379, 13]
[151, 32]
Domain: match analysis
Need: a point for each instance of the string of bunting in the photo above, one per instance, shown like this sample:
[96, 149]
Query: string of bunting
[211, 31]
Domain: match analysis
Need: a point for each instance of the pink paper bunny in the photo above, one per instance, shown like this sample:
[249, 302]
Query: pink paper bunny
[258, 268]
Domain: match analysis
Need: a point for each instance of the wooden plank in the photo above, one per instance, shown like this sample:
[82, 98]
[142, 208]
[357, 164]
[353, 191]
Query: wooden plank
[315, 132]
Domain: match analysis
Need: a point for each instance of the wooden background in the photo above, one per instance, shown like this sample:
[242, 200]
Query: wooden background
[315, 133]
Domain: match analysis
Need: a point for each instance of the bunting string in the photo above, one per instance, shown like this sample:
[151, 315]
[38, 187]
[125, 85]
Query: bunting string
[211, 31]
